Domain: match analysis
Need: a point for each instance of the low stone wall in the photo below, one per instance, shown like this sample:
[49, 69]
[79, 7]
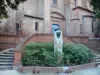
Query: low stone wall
[43, 37]
[80, 39]
[94, 44]
[4, 46]
[39, 70]
[9, 41]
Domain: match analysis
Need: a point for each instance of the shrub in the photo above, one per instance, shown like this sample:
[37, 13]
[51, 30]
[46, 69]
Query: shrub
[76, 54]
[39, 54]
[42, 54]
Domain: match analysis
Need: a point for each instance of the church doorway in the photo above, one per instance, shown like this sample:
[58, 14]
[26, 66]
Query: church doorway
[57, 22]
[55, 27]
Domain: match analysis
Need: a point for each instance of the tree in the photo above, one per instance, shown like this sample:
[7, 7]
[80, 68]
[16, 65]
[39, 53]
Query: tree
[96, 7]
[4, 4]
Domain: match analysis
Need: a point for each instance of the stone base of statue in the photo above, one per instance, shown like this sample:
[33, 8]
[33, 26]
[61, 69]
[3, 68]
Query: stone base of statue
[60, 59]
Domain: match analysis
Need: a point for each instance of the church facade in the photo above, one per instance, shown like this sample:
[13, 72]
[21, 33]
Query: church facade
[72, 17]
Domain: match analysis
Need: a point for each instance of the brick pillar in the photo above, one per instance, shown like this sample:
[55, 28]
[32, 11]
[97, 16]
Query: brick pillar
[17, 59]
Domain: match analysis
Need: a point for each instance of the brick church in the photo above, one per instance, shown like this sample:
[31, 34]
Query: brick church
[37, 21]
[73, 17]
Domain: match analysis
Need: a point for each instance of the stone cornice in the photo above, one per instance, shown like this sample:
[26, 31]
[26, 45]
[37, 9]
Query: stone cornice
[83, 9]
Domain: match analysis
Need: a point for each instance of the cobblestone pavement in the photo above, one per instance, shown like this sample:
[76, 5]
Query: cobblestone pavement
[92, 71]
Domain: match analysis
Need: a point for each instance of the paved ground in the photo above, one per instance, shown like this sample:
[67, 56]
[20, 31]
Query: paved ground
[93, 71]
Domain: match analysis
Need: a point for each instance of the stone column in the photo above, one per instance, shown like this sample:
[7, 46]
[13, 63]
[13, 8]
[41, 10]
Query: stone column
[68, 18]
[47, 26]
[41, 8]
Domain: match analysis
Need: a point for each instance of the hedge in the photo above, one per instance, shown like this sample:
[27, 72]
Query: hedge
[42, 54]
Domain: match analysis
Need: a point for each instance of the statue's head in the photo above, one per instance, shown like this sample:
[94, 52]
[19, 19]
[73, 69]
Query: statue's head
[58, 34]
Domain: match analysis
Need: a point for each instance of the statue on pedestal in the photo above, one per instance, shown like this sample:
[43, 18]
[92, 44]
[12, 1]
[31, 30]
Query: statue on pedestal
[58, 46]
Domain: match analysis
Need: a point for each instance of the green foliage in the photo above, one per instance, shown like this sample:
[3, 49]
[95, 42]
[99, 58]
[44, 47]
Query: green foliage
[97, 30]
[75, 54]
[4, 4]
[42, 54]
[96, 6]
[39, 54]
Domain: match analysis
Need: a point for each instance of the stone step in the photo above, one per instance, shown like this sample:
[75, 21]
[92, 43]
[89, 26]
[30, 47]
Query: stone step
[97, 60]
[6, 64]
[11, 50]
[6, 55]
[9, 53]
[8, 58]
[98, 63]
[3, 60]
[97, 57]
[6, 67]
[96, 54]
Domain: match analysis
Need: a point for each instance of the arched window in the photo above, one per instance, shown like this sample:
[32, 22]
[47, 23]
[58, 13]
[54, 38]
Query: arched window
[36, 26]
[55, 27]
[17, 28]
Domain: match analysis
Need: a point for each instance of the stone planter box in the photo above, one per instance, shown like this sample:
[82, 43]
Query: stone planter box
[37, 70]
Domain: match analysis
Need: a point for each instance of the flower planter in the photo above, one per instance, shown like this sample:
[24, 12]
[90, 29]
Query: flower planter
[37, 70]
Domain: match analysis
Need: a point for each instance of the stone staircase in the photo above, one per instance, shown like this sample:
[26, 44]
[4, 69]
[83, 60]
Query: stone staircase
[6, 60]
[97, 59]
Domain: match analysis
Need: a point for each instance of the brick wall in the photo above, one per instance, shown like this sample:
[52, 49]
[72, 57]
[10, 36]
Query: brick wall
[80, 39]
[94, 44]
[8, 41]
[43, 37]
